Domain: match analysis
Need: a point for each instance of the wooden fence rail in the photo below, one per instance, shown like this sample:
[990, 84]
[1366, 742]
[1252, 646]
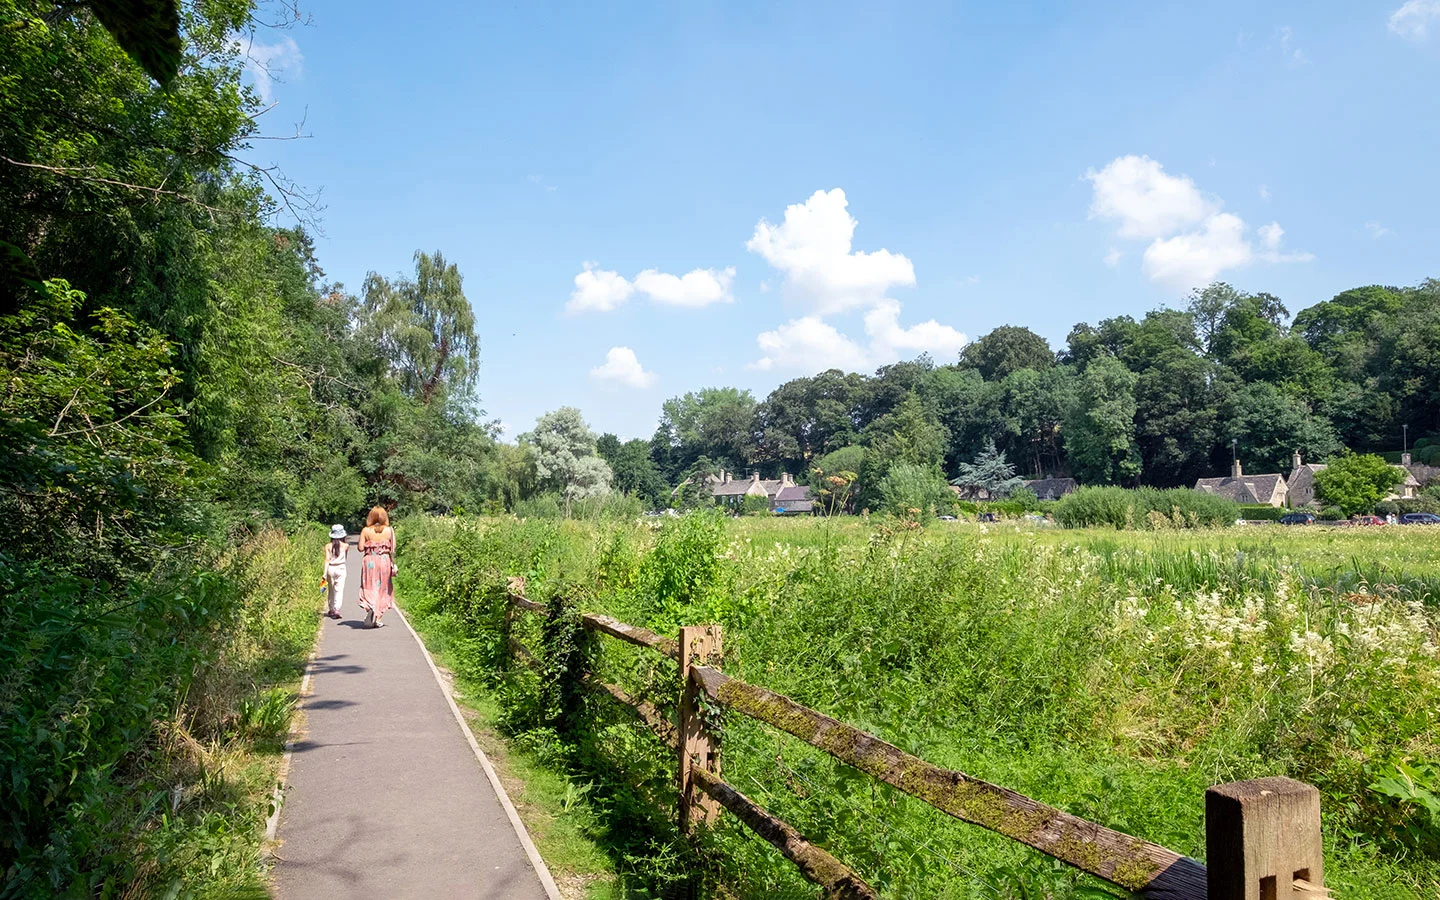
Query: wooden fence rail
[1262, 836]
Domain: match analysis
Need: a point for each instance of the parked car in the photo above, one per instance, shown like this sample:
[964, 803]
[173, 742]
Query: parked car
[946, 518]
[1367, 520]
[1297, 519]
[1420, 519]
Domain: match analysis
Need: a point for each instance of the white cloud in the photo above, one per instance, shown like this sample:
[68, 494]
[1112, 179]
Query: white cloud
[1191, 240]
[1377, 231]
[598, 290]
[810, 345]
[889, 342]
[539, 181]
[1147, 202]
[694, 289]
[1412, 21]
[1265, 193]
[812, 247]
[1270, 235]
[621, 367]
[1195, 258]
[267, 63]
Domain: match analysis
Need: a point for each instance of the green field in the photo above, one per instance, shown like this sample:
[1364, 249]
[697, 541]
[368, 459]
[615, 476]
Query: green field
[1113, 674]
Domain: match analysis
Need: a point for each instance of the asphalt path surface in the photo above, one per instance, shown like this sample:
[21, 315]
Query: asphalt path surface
[386, 798]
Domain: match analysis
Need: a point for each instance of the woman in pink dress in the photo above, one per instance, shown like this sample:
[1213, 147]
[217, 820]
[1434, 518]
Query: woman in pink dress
[377, 567]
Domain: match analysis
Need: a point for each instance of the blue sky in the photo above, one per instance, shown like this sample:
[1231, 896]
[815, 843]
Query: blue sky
[647, 199]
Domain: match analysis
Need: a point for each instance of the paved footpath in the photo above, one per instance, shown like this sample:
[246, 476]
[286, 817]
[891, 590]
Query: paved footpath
[386, 797]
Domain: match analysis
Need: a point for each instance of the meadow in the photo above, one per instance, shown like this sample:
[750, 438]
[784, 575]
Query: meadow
[1114, 674]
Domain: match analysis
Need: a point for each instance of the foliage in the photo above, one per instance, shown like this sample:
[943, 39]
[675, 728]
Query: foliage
[912, 491]
[1144, 508]
[1355, 482]
[1116, 674]
[1007, 349]
[565, 459]
[989, 475]
[1100, 431]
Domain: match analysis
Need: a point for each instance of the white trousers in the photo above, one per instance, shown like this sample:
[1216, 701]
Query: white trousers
[335, 595]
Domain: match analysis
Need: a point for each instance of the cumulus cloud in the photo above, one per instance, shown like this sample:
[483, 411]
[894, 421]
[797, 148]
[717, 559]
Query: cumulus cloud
[1376, 230]
[269, 63]
[1112, 259]
[812, 247]
[889, 342]
[1147, 202]
[1197, 257]
[809, 344]
[700, 287]
[1191, 240]
[621, 367]
[598, 290]
[1412, 21]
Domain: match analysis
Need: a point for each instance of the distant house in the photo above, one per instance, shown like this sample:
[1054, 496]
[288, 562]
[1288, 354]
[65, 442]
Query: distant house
[1302, 481]
[784, 496]
[1251, 490]
[1052, 488]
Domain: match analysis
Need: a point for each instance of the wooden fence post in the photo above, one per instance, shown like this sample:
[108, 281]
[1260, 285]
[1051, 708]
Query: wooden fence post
[698, 745]
[1261, 838]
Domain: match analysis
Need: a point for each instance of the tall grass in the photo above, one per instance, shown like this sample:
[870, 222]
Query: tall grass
[139, 732]
[1114, 674]
[1144, 508]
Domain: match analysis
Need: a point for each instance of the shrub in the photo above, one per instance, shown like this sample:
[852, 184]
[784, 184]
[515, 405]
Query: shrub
[1355, 482]
[909, 487]
[1262, 513]
[1123, 508]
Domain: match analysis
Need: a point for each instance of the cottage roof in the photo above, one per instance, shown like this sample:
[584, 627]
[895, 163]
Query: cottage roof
[1245, 489]
[794, 492]
[1052, 488]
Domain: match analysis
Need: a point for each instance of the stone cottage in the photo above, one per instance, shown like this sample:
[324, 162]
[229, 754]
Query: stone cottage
[1251, 490]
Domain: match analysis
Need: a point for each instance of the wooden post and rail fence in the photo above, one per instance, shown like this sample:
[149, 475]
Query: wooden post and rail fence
[1262, 837]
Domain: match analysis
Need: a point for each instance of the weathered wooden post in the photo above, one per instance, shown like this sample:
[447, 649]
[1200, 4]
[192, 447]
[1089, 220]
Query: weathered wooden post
[699, 747]
[1262, 840]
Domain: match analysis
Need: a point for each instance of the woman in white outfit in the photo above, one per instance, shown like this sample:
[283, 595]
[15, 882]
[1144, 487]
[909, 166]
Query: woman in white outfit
[335, 571]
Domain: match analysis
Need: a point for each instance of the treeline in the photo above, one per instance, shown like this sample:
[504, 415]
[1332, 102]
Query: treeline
[178, 378]
[1154, 402]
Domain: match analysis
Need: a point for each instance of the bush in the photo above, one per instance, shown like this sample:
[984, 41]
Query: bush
[1263, 513]
[1144, 508]
[908, 487]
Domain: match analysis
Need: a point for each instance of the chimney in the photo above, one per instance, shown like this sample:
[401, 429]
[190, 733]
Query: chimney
[724, 477]
[785, 480]
[1295, 461]
[755, 477]
[1405, 459]
[1235, 471]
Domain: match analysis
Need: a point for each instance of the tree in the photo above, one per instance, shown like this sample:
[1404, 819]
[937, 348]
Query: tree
[424, 327]
[713, 422]
[988, 473]
[635, 472]
[1355, 482]
[1100, 425]
[565, 459]
[1007, 349]
[1270, 425]
[909, 490]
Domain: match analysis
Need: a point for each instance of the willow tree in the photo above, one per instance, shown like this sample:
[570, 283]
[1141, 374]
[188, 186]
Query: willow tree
[424, 328]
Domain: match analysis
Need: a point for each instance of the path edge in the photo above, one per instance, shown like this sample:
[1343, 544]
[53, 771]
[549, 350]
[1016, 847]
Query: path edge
[282, 776]
[541, 870]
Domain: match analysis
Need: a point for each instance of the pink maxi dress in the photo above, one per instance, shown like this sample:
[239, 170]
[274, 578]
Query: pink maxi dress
[377, 593]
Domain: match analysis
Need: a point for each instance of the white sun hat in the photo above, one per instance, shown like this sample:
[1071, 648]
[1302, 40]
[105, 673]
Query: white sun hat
[337, 532]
